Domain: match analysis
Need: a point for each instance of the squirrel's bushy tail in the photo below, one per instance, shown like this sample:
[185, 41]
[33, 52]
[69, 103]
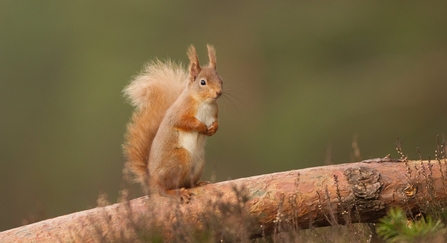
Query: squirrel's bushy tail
[152, 92]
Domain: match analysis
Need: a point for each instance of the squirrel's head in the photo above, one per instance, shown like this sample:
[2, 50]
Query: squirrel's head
[204, 80]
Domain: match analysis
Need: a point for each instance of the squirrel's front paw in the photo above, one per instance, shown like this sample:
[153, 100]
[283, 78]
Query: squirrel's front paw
[212, 129]
[203, 129]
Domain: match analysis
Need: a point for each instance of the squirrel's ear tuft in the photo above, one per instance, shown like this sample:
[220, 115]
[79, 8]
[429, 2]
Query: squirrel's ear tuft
[194, 66]
[212, 56]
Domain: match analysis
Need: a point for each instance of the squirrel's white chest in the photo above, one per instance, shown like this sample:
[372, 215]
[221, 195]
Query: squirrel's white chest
[206, 113]
[193, 141]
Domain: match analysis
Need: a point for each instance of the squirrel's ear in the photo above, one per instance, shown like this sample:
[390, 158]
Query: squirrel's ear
[194, 66]
[212, 56]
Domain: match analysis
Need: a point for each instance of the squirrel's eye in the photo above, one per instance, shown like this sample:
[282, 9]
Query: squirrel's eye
[202, 82]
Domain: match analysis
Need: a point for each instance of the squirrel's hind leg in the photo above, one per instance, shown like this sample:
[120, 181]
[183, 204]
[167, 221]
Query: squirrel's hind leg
[202, 183]
[182, 194]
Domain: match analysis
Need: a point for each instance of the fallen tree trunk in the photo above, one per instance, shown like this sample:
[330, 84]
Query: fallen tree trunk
[257, 206]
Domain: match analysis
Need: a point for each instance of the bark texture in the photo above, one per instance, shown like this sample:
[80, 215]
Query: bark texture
[298, 199]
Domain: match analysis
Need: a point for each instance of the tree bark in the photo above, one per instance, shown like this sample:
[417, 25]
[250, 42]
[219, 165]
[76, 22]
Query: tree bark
[259, 205]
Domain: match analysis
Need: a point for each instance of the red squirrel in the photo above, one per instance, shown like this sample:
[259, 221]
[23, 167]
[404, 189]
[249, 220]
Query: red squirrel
[175, 109]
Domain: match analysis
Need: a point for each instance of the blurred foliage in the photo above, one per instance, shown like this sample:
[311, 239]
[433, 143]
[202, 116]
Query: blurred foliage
[302, 78]
[395, 227]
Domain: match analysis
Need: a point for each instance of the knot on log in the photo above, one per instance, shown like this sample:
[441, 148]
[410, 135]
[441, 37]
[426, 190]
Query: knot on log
[366, 186]
[410, 190]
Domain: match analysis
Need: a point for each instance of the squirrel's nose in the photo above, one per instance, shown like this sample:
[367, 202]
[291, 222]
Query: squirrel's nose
[219, 93]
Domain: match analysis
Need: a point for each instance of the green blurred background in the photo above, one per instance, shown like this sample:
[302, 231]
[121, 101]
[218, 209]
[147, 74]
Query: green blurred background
[302, 80]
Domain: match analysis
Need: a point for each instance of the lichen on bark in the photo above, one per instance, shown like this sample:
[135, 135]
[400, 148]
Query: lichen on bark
[366, 186]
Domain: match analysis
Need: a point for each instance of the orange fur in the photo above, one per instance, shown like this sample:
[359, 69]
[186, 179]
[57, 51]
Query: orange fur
[175, 110]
